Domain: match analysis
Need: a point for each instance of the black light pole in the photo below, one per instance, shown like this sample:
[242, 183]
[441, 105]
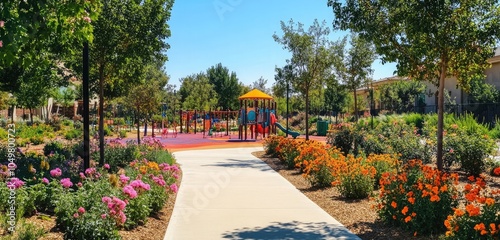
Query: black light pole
[287, 98]
[86, 109]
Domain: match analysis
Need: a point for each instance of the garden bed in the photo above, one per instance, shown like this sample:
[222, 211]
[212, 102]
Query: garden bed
[359, 216]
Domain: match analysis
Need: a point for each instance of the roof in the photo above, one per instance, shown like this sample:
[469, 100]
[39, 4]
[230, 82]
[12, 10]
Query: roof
[255, 94]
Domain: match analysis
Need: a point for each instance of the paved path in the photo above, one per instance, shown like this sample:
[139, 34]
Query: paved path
[230, 194]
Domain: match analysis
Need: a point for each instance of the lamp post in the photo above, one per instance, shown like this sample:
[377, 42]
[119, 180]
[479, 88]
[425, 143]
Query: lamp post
[287, 99]
[86, 109]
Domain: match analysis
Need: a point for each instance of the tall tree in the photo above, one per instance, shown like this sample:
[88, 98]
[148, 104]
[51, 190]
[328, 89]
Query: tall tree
[401, 96]
[261, 85]
[354, 67]
[197, 93]
[128, 36]
[226, 85]
[336, 97]
[311, 57]
[429, 40]
[144, 100]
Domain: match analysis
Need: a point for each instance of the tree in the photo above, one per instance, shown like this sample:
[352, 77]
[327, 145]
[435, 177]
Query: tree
[401, 96]
[429, 40]
[482, 92]
[311, 59]
[197, 93]
[128, 36]
[226, 85]
[354, 67]
[144, 100]
[336, 97]
[261, 85]
[28, 28]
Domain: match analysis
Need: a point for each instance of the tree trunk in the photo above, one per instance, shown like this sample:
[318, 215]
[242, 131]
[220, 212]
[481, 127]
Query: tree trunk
[355, 105]
[145, 127]
[31, 116]
[138, 127]
[440, 125]
[307, 114]
[101, 116]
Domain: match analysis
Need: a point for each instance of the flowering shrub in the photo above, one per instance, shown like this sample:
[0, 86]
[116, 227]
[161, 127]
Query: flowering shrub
[309, 151]
[270, 144]
[288, 150]
[495, 171]
[354, 178]
[342, 137]
[479, 218]
[418, 199]
[383, 163]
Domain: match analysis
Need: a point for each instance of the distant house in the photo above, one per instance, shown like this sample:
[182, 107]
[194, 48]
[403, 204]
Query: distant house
[451, 86]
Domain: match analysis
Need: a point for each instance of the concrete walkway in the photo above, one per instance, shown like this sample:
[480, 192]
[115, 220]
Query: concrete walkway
[230, 194]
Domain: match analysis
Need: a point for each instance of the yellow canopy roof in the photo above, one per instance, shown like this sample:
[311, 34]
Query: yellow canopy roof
[255, 94]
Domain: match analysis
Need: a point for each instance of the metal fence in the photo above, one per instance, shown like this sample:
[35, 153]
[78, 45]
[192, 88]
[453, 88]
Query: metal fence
[483, 112]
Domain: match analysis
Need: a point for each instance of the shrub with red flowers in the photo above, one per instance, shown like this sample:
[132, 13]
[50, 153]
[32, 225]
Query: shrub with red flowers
[478, 218]
[418, 199]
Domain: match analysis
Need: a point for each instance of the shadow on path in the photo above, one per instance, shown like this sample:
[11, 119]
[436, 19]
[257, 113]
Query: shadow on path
[291, 231]
[235, 163]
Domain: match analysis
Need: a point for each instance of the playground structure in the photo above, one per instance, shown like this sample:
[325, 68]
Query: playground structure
[211, 123]
[257, 115]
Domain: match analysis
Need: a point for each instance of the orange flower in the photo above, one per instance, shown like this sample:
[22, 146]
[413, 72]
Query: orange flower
[471, 178]
[413, 214]
[470, 197]
[472, 210]
[405, 210]
[490, 201]
[447, 224]
[394, 217]
[496, 171]
[435, 198]
[493, 228]
[411, 200]
[459, 212]
[479, 227]
[407, 219]
[394, 204]
[444, 188]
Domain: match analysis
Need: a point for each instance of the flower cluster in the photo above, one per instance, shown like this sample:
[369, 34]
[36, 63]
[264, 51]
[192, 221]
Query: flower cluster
[419, 198]
[479, 218]
[15, 183]
[116, 207]
[55, 172]
[66, 183]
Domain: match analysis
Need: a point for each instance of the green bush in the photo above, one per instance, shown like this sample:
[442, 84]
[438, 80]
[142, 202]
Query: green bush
[37, 140]
[343, 138]
[414, 120]
[119, 156]
[123, 133]
[73, 134]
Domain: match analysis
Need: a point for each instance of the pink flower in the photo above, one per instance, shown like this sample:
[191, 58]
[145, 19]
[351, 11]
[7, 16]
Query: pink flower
[174, 188]
[122, 217]
[140, 184]
[2, 24]
[81, 210]
[106, 199]
[106, 166]
[159, 181]
[66, 183]
[103, 216]
[76, 215]
[124, 179]
[87, 19]
[130, 192]
[79, 184]
[451, 150]
[1, 43]
[89, 171]
[45, 180]
[15, 183]
[82, 175]
[56, 172]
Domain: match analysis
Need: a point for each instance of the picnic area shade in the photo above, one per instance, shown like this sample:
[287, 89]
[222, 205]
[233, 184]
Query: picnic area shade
[255, 94]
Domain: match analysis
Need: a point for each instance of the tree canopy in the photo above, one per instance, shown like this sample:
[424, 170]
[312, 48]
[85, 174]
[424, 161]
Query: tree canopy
[197, 93]
[225, 85]
[312, 57]
[429, 40]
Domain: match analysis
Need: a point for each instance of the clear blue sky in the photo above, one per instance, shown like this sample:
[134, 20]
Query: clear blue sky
[238, 34]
